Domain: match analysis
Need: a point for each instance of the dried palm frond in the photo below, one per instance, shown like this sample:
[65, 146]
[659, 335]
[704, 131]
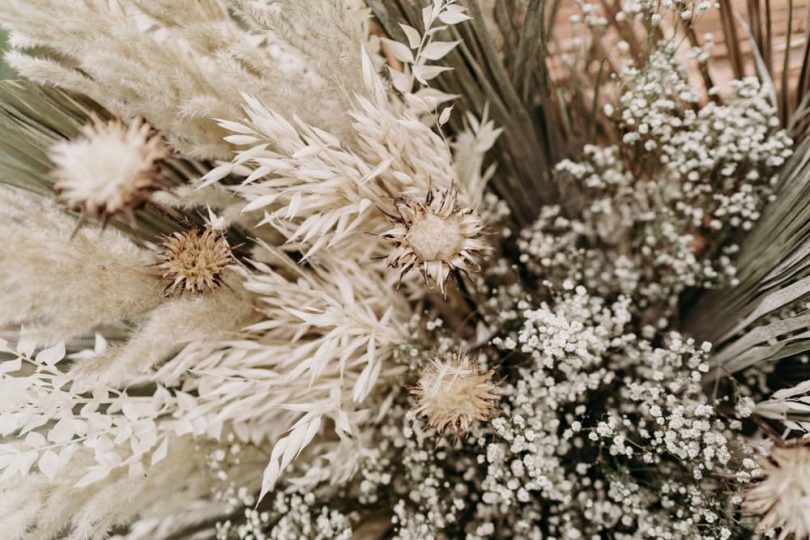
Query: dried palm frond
[34, 118]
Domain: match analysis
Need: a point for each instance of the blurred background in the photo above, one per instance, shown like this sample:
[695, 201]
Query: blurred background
[5, 71]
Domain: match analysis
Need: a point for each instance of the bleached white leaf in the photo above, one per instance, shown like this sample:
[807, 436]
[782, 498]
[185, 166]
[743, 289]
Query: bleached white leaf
[217, 223]
[436, 50]
[375, 172]
[402, 80]
[160, 453]
[800, 388]
[100, 344]
[260, 202]
[414, 39]
[35, 440]
[269, 478]
[49, 463]
[369, 75]
[312, 430]
[10, 366]
[26, 347]
[364, 382]
[293, 447]
[424, 73]
[94, 474]
[342, 424]
[25, 461]
[453, 14]
[445, 115]
[100, 394]
[433, 97]
[64, 430]
[51, 355]
[400, 51]
[241, 140]
[427, 16]
[215, 175]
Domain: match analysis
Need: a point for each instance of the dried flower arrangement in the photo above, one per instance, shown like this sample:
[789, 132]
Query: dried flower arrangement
[273, 269]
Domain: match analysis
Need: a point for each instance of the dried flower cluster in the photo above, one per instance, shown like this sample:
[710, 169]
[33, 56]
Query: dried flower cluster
[194, 261]
[110, 169]
[452, 393]
[618, 233]
[780, 497]
[437, 237]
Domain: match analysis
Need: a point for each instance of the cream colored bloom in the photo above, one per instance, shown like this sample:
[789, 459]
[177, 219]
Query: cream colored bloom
[452, 393]
[194, 261]
[436, 236]
[109, 169]
[782, 497]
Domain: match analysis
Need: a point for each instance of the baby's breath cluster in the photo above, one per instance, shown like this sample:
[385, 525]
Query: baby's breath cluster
[605, 432]
[293, 515]
[660, 210]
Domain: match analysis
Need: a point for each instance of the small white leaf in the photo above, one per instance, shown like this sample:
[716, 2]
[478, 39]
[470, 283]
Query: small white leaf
[364, 382]
[342, 424]
[445, 116]
[64, 430]
[399, 50]
[368, 68]
[49, 464]
[35, 440]
[215, 175]
[402, 80]
[11, 365]
[312, 430]
[425, 73]
[377, 171]
[99, 472]
[414, 39]
[427, 16]
[240, 140]
[26, 347]
[160, 454]
[294, 442]
[453, 14]
[438, 49]
[100, 345]
[51, 355]
[269, 478]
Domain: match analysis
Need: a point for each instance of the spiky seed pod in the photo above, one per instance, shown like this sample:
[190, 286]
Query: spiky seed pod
[194, 261]
[110, 169]
[782, 497]
[453, 394]
[436, 236]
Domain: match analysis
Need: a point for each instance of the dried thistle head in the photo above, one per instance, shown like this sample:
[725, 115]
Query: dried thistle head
[109, 169]
[436, 236]
[194, 261]
[782, 497]
[452, 393]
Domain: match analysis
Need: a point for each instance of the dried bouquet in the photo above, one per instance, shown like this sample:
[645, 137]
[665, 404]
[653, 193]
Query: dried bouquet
[282, 269]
